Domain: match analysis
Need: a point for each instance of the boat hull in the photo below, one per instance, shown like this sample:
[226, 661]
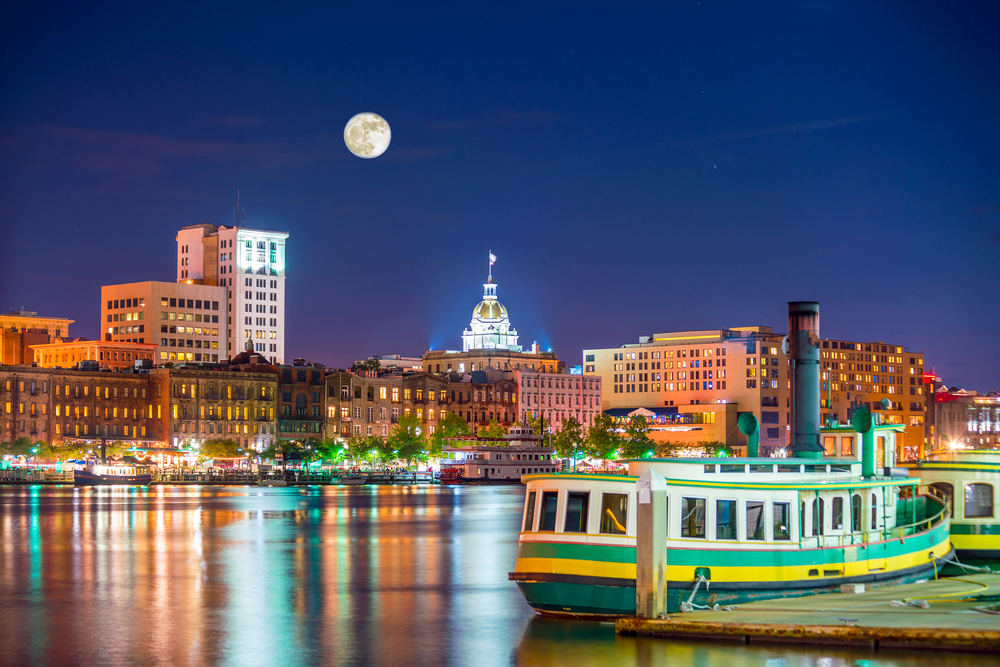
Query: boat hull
[598, 581]
[594, 601]
[87, 478]
[352, 481]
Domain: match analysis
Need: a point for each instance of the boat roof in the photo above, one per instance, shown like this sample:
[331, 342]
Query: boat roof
[853, 483]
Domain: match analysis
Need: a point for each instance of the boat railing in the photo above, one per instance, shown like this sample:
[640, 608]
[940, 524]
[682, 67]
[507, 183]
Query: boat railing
[881, 535]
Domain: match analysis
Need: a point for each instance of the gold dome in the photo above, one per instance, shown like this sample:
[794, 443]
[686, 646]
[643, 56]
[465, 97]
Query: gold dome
[490, 310]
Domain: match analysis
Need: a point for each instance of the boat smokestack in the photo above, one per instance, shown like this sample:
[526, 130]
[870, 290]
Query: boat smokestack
[803, 348]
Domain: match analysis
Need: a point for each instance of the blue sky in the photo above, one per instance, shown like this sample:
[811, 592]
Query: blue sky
[637, 169]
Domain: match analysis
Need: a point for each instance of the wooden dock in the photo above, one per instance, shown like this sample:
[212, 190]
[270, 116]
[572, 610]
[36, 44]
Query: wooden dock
[947, 619]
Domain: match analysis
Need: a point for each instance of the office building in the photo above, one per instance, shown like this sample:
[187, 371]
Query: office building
[250, 265]
[110, 355]
[963, 419]
[185, 321]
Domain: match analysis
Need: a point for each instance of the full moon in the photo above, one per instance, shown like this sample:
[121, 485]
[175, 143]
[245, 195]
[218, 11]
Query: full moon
[367, 135]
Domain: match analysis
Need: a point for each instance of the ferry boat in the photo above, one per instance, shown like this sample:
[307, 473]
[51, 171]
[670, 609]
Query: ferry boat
[105, 474]
[968, 479]
[739, 529]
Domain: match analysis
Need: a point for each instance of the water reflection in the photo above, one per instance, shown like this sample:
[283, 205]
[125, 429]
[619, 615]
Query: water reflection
[315, 575]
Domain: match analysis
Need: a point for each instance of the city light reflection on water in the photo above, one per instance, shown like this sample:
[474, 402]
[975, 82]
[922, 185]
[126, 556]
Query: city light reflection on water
[306, 576]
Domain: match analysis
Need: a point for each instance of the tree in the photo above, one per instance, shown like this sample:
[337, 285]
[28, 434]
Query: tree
[372, 366]
[636, 444]
[331, 450]
[17, 447]
[493, 430]
[407, 439]
[569, 441]
[451, 425]
[219, 449]
[362, 448]
[603, 441]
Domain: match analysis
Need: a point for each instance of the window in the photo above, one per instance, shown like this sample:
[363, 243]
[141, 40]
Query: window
[817, 516]
[978, 501]
[837, 520]
[692, 517]
[856, 513]
[614, 513]
[781, 516]
[549, 503]
[874, 511]
[576, 512]
[847, 447]
[725, 519]
[755, 520]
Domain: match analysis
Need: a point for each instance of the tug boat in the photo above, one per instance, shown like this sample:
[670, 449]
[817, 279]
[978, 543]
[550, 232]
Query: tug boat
[104, 474]
[967, 479]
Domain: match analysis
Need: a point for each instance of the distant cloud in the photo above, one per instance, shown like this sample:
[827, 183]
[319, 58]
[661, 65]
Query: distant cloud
[495, 119]
[794, 128]
[234, 122]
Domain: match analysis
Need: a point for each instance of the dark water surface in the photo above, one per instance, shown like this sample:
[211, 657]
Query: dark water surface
[307, 576]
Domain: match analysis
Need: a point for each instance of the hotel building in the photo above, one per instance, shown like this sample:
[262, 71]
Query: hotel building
[693, 385]
[185, 321]
[250, 265]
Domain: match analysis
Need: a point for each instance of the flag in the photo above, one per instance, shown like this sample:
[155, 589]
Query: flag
[493, 259]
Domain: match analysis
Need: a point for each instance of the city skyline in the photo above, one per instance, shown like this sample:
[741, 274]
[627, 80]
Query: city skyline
[690, 168]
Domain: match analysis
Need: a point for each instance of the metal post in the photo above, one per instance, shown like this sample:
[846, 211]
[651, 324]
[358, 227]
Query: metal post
[651, 545]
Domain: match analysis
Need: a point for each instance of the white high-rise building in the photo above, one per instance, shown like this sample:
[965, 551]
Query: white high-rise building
[250, 264]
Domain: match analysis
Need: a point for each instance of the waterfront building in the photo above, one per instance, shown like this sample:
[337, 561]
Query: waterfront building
[114, 355]
[63, 405]
[21, 329]
[189, 405]
[301, 401]
[250, 265]
[688, 381]
[186, 322]
[556, 396]
[359, 406]
[964, 419]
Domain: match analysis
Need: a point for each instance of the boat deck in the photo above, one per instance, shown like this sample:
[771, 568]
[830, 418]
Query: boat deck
[844, 618]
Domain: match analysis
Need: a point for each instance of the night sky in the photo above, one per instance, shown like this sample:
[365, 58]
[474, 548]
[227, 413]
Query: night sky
[636, 169]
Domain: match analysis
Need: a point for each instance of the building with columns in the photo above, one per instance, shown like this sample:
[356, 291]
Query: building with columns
[490, 343]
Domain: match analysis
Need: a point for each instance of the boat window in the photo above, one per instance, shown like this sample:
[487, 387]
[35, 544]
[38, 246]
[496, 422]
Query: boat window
[692, 517]
[874, 511]
[666, 514]
[755, 520]
[829, 445]
[789, 468]
[782, 521]
[725, 519]
[978, 501]
[576, 512]
[837, 522]
[847, 446]
[821, 468]
[614, 513]
[948, 491]
[710, 468]
[817, 527]
[529, 512]
[834, 468]
[757, 468]
[732, 468]
[549, 502]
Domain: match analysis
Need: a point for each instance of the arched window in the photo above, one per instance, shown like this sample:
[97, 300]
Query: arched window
[817, 517]
[978, 501]
[856, 513]
[874, 511]
[301, 405]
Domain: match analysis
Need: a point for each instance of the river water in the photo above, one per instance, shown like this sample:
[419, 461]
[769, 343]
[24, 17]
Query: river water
[242, 576]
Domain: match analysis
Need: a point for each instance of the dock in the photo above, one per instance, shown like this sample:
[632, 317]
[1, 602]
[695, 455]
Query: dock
[946, 614]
